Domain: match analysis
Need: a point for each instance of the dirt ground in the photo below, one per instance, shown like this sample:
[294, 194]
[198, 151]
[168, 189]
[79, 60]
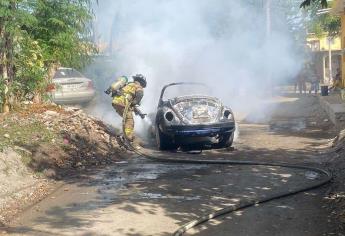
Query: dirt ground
[43, 144]
[142, 197]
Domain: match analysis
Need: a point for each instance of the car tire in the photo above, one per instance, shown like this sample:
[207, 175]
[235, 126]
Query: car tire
[226, 141]
[163, 141]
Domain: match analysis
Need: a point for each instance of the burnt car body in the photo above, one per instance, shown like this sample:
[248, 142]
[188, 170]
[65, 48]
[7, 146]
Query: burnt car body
[193, 120]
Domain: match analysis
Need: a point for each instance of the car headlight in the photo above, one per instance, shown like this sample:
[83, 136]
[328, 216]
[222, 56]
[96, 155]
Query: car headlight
[170, 117]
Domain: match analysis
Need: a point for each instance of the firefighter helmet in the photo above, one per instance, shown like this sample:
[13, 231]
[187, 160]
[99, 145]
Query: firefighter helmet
[141, 79]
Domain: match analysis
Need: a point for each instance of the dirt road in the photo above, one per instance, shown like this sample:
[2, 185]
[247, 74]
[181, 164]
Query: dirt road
[141, 197]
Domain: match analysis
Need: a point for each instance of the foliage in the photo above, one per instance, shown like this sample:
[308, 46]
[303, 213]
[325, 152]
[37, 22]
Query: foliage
[63, 31]
[10, 20]
[36, 34]
[324, 23]
[307, 3]
[30, 67]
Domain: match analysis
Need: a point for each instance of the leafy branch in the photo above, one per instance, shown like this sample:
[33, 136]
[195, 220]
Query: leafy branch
[307, 3]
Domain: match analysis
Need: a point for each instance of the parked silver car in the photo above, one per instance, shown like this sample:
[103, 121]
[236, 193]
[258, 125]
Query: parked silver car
[71, 87]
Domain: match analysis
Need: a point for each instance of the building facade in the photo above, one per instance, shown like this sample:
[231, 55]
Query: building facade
[321, 49]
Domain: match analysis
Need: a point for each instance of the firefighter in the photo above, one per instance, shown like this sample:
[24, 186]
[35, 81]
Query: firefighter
[128, 93]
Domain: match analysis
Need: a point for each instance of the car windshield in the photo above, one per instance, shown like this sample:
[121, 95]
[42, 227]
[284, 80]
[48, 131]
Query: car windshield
[186, 89]
[68, 73]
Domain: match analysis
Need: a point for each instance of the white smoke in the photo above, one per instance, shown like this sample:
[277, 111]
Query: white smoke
[222, 43]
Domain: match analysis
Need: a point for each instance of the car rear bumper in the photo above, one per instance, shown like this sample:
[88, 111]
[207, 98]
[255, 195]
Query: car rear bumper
[73, 97]
[199, 130]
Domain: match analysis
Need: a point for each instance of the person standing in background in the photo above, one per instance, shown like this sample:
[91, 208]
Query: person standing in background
[315, 79]
[301, 81]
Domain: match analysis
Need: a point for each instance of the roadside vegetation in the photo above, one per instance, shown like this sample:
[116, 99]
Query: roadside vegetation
[320, 3]
[36, 37]
[27, 132]
[325, 24]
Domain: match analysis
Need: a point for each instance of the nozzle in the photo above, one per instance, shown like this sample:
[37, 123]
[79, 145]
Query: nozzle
[108, 91]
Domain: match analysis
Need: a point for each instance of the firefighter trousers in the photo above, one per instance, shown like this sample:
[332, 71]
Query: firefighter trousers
[128, 122]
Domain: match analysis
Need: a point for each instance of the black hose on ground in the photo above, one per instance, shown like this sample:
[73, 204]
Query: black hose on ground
[242, 205]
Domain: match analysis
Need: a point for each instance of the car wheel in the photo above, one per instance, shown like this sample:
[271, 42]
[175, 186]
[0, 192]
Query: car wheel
[226, 141]
[163, 141]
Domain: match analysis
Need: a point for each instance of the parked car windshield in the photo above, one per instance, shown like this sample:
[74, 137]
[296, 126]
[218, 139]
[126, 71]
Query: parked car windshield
[67, 73]
[186, 90]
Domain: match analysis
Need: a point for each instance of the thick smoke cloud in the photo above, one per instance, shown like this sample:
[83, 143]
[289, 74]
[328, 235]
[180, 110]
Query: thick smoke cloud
[221, 43]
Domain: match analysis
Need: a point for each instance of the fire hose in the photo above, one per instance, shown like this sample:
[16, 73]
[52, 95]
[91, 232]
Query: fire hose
[242, 205]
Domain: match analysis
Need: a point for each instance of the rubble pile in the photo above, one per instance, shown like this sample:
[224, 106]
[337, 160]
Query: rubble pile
[76, 140]
[87, 139]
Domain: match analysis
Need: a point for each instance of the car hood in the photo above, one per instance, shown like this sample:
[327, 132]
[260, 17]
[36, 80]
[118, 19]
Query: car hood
[197, 109]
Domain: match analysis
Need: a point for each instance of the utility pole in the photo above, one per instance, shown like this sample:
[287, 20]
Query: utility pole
[338, 9]
[268, 36]
[330, 58]
[329, 39]
[268, 18]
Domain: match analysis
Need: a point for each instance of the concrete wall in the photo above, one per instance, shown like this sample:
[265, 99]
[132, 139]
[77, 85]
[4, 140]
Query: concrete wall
[335, 108]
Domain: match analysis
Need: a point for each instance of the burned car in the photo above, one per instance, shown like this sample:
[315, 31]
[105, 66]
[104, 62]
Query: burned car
[192, 120]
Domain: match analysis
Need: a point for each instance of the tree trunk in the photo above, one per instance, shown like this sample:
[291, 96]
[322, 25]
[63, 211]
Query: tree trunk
[52, 68]
[5, 69]
[4, 74]
[6, 56]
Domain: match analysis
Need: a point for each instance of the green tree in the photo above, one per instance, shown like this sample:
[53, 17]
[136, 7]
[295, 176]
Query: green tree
[322, 24]
[37, 35]
[307, 3]
[13, 16]
[63, 30]
[30, 72]
[325, 23]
